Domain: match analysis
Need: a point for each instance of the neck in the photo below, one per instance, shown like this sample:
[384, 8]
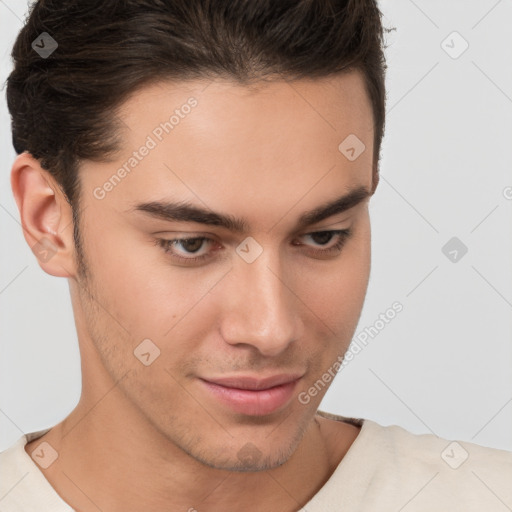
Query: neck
[118, 462]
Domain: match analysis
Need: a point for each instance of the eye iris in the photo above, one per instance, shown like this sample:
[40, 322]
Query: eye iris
[324, 237]
[192, 244]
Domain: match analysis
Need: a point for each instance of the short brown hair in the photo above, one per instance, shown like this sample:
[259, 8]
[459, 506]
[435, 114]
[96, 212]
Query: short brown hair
[63, 107]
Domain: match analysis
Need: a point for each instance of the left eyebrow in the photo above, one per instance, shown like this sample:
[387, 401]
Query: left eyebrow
[184, 211]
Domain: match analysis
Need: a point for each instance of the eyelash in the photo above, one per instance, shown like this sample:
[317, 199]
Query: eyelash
[165, 244]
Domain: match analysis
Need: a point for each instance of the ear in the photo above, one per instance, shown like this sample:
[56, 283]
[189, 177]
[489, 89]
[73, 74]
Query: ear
[46, 216]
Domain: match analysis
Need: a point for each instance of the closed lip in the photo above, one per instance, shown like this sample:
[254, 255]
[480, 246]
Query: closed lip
[253, 383]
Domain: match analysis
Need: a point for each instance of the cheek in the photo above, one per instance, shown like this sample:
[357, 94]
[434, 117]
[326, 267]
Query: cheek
[336, 297]
[150, 298]
[336, 291]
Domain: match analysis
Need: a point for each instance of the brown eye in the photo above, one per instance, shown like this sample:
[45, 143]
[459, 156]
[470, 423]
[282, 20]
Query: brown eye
[322, 238]
[190, 245]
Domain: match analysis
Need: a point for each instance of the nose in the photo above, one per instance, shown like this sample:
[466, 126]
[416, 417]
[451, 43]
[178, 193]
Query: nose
[260, 307]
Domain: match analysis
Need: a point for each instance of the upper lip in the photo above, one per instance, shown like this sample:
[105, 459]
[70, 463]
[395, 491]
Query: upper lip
[254, 383]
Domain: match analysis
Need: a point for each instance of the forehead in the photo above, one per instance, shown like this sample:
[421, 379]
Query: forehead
[226, 110]
[223, 144]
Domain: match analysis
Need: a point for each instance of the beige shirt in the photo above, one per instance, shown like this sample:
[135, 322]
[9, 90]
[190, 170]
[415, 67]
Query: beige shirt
[385, 469]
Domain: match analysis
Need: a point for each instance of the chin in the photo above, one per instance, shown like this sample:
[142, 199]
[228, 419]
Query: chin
[240, 455]
[247, 460]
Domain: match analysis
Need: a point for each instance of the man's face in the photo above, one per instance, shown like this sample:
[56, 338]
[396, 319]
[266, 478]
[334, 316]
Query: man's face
[274, 300]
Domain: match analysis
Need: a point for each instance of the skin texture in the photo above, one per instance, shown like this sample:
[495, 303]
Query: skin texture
[153, 437]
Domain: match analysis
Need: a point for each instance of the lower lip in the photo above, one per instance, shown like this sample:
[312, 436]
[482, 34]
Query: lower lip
[253, 402]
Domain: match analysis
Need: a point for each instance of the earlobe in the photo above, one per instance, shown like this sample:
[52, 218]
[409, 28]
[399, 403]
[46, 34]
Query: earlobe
[46, 216]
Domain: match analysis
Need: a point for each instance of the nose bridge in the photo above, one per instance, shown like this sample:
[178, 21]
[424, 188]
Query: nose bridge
[262, 309]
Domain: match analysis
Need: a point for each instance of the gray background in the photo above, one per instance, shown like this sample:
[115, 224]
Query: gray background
[442, 365]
